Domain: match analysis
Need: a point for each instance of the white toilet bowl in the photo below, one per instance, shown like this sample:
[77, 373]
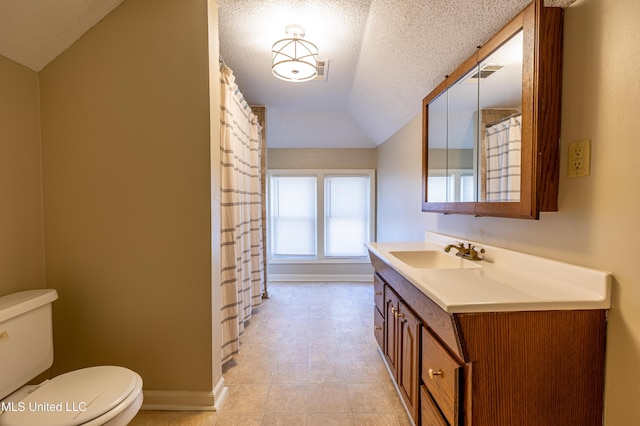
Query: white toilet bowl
[105, 395]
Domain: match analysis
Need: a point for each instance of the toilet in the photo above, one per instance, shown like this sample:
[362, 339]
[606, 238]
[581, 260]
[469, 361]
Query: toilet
[102, 395]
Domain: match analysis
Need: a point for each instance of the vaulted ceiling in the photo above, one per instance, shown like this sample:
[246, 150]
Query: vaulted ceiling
[35, 32]
[384, 55]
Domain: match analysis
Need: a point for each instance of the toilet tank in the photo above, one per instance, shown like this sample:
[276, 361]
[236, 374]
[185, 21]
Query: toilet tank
[26, 337]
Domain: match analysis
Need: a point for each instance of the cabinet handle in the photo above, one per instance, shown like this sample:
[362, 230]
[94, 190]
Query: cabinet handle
[377, 327]
[378, 293]
[433, 373]
[393, 310]
[399, 314]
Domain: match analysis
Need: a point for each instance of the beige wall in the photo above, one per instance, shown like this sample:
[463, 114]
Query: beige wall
[21, 232]
[451, 158]
[127, 175]
[319, 158]
[597, 223]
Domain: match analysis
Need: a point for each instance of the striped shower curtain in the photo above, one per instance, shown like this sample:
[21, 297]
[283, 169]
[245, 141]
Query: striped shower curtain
[503, 160]
[241, 214]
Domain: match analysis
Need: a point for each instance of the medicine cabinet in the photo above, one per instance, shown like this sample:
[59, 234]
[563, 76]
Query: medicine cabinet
[491, 129]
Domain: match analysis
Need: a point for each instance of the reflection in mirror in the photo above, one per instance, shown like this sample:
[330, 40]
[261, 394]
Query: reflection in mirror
[438, 182]
[500, 122]
[461, 137]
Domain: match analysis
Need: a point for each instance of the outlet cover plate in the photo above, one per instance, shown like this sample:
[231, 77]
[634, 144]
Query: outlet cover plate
[579, 158]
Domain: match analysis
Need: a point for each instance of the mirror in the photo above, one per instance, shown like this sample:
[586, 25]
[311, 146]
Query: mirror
[482, 124]
[500, 119]
[462, 137]
[437, 160]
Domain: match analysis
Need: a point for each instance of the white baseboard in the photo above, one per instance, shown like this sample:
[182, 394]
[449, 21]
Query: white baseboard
[320, 278]
[186, 400]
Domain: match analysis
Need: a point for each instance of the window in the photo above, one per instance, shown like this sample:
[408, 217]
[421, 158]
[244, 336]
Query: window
[346, 217]
[320, 215]
[293, 217]
[454, 185]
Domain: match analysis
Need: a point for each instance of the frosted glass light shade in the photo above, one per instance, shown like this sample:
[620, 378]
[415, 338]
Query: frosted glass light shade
[294, 59]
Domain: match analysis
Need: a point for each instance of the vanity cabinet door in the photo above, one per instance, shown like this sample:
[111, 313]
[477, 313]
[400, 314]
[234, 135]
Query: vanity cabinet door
[391, 302]
[409, 358]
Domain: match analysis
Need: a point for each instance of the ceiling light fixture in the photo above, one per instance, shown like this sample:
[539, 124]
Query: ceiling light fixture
[294, 59]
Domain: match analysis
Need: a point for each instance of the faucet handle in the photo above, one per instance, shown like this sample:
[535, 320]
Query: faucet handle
[473, 253]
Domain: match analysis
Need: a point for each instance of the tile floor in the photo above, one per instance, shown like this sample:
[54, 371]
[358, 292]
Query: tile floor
[308, 357]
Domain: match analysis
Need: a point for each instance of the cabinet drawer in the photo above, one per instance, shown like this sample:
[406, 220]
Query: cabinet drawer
[378, 327]
[442, 375]
[429, 413]
[378, 293]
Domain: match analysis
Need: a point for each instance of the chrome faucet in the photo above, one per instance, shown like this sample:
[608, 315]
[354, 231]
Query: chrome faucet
[469, 253]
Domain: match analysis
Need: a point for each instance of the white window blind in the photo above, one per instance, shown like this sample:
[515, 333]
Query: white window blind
[438, 187]
[467, 188]
[346, 207]
[293, 216]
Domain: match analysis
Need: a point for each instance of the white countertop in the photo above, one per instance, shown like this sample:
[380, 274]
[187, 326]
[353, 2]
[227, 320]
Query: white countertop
[504, 280]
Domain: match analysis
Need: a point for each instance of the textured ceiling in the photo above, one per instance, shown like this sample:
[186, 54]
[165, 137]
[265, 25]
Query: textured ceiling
[385, 55]
[311, 114]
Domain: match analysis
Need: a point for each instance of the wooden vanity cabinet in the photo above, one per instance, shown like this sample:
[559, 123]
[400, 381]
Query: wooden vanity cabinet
[491, 368]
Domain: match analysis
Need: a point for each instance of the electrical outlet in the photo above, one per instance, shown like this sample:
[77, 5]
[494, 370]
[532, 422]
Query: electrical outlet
[579, 158]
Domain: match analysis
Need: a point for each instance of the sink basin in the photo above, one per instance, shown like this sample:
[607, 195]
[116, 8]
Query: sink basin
[432, 259]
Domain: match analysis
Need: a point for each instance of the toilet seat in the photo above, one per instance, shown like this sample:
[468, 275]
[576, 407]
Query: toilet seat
[77, 398]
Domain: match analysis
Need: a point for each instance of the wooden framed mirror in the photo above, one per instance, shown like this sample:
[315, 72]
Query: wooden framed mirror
[491, 129]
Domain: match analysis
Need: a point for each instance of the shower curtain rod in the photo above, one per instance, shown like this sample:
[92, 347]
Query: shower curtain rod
[503, 119]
